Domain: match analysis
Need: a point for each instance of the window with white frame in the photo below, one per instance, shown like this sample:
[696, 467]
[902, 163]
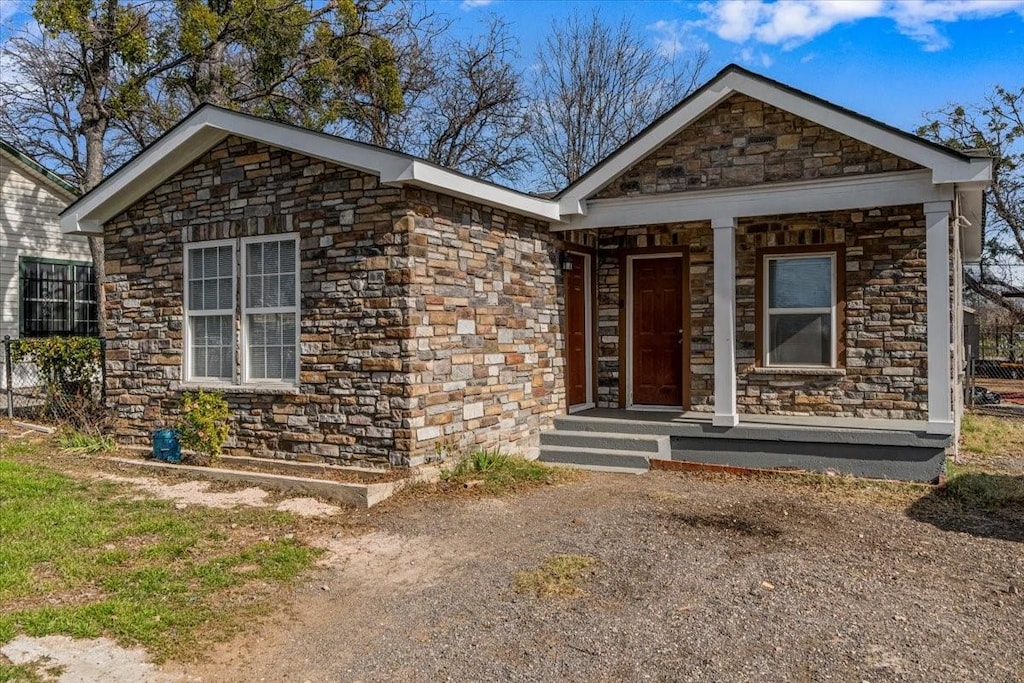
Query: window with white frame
[800, 310]
[264, 289]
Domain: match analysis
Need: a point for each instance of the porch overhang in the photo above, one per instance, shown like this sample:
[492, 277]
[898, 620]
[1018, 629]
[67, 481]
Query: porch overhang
[833, 194]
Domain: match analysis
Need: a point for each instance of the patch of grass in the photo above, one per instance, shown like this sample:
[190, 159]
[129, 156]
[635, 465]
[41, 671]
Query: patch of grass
[991, 436]
[83, 443]
[979, 488]
[497, 471]
[560, 575]
[84, 559]
[19, 673]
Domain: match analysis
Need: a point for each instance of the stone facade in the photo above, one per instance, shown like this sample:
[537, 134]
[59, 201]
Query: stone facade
[485, 291]
[389, 283]
[884, 373]
[743, 142]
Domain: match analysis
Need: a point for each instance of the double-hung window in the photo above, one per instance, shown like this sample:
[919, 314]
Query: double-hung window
[800, 312]
[254, 281]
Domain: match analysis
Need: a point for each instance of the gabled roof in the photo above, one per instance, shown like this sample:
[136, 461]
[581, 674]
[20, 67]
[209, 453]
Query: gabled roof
[208, 125]
[947, 165]
[38, 171]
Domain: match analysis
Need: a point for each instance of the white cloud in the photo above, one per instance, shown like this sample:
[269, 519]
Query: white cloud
[749, 55]
[789, 23]
[673, 38]
[473, 4]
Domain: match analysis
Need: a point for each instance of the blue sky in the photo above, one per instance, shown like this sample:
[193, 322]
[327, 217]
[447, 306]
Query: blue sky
[891, 60]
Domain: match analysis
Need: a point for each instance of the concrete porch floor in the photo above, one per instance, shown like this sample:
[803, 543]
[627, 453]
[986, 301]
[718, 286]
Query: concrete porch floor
[788, 421]
[626, 440]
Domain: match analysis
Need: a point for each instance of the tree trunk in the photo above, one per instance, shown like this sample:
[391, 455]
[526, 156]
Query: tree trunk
[94, 156]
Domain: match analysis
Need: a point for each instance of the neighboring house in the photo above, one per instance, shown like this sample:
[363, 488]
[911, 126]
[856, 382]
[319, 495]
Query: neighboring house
[47, 280]
[760, 278]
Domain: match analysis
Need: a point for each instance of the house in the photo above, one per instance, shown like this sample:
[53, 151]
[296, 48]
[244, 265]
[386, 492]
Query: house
[760, 278]
[47, 281]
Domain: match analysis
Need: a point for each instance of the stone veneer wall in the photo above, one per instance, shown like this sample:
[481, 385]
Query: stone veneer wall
[886, 361]
[352, 397]
[743, 142]
[486, 297]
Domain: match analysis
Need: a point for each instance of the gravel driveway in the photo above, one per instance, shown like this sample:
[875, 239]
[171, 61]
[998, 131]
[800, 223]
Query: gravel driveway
[696, 579]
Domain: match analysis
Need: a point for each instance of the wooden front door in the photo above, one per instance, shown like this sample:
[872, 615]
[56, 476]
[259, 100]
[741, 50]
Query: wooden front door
[576, 333]
[657, 331]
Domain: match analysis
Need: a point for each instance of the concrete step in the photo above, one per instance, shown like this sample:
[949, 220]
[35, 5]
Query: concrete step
[643, 444]
[598, 459]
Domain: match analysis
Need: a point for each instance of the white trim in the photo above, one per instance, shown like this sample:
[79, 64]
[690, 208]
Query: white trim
[186, 370]
[247, 310]
[769, 311]
[209, 125]
[723, 256]
[630, 258]
[831, 194]
[946, 167]
[940, 406]
[588, 322]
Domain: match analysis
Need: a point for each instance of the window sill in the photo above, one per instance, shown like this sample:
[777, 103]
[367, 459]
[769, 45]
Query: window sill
[803, 371]
[260, 389]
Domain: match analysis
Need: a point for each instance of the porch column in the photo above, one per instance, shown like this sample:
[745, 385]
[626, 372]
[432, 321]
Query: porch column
[940, 412]
[724, 256]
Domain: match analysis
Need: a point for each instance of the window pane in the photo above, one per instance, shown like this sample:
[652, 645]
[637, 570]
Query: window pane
[800, 282]
[272, 346]
[270, 278]
[800, 339]
[213, 342]
[288, 256]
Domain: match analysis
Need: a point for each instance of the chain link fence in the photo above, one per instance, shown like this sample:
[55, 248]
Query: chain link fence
[995, 368]
[55, 379]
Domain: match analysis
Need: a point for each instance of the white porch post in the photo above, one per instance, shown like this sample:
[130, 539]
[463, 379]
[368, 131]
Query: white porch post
[940, 411]
[724, 257]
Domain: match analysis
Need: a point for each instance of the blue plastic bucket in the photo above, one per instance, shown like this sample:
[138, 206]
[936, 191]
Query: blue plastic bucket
[166, 447]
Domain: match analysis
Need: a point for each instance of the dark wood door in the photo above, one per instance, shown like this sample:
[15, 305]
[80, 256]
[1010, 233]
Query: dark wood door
[576, 329]
[658, 331]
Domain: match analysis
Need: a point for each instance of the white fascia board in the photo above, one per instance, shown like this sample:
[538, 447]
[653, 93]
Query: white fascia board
[972, 208]
[211, 125]
[888, 189]
[434, 178]
[571, 203]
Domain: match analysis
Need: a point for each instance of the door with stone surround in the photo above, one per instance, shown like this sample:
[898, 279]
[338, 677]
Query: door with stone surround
[656, 353]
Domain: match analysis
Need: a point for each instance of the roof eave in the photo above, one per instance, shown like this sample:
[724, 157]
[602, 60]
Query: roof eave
[209, 125]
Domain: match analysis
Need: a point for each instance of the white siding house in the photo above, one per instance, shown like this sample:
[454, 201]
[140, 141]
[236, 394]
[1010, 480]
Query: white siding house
[31, 244]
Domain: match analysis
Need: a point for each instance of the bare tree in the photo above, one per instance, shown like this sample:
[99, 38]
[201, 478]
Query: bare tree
[995, 125]
[64, 90]
[464, 103]
[596, 86]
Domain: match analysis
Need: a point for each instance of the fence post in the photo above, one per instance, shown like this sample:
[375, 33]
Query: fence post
[103, 372]
[969, 399]
[8, 376]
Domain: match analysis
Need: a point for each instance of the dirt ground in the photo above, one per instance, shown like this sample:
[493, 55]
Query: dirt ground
[695, 579]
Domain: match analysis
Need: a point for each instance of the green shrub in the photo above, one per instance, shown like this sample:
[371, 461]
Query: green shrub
[68, 366]
[204, 423]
